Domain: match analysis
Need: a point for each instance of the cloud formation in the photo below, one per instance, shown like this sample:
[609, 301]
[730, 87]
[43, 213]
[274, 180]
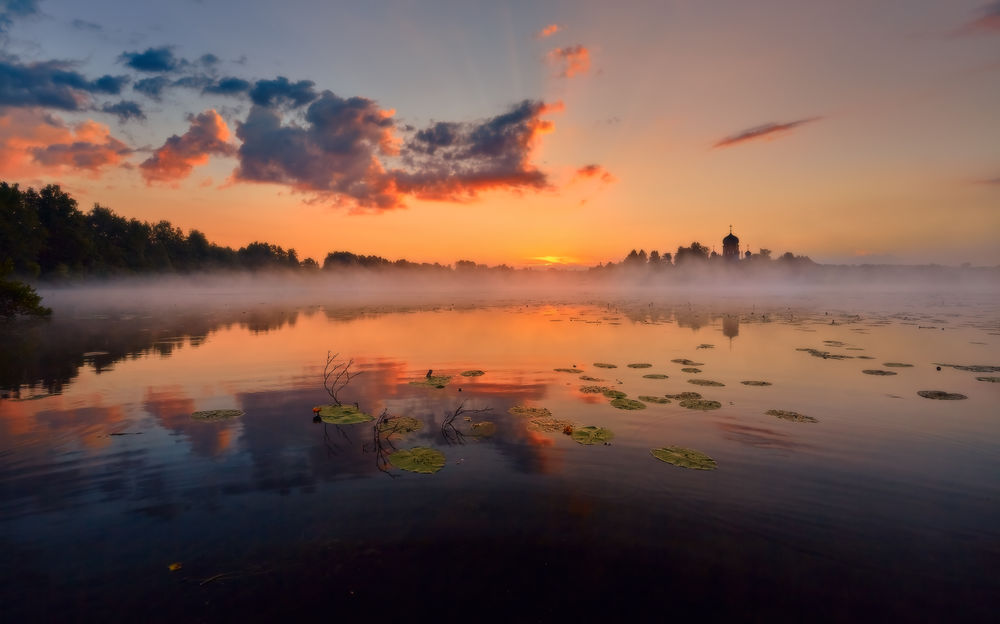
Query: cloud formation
[208, 135]
[153, 60]
[282, 91]
[548, 31]
[125, 110]
[594, 172]
[764, 131]
[12, 9]
[571, 60]
[228, 86]
[33, 142]
[51, 84]
[92, 147]
[988, 21]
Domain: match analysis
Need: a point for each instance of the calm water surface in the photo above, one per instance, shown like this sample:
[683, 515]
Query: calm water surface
[887, 507]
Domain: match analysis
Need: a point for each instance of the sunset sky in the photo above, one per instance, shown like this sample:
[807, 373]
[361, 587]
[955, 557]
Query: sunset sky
[519, 132]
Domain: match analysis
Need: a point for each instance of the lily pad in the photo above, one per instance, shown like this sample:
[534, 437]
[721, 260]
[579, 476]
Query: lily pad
[342, 414]
[705, 382]
[687, 362]
[548, 424]
[605, 365]
[974, 369]
[792, 416]
[989, 379]
[826, 355]
[756, 383]
[705, 346]
[418, 459]
[640, 365]
[484, 429]
[684, 458]
[397, 425]
[700, 404]
[877, 371]
[472, 373]
[567, 370]
[530, 412]
[594, 389]
[592, 435]
[941, 395]
[690, 369]
[219, 414]
[653, 399]
[627, 404]
[683, 396]
[589, 378]
[614, 394]
[434, 381]
[656, 376]
[864, 357]
[897, 365]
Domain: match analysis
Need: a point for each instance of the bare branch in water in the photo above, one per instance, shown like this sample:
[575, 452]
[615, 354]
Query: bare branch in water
[451, 433]
[337, 374]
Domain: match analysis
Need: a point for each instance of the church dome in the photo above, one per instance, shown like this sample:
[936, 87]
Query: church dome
[730, 239]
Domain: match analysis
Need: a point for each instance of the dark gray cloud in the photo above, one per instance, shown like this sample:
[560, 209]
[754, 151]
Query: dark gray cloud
[13, 9]
[762, 131]
[152, 87]
[208, 60]
[282, 91]
[153, 60]
[988, 21]
[51, 84]
[125, 110]
[228, 86]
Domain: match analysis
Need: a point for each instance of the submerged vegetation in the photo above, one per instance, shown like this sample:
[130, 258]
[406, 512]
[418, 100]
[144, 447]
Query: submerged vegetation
[684, 458]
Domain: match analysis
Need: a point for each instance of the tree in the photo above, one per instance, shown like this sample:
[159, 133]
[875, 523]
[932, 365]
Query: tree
[696, 252]
[18, 298]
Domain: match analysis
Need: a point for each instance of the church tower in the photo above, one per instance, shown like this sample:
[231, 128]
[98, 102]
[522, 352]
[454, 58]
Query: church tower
[731, 246]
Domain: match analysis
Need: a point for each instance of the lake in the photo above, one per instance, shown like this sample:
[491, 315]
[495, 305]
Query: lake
[117, 504]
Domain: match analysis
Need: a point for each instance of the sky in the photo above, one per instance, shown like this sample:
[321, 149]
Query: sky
[526, 133]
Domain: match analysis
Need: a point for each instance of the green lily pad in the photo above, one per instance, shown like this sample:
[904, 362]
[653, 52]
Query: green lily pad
[605, 365]
[219, 414]
[974, 369]
[792, 416]
[614, 394]
[397, 425]
[418, 459]
[705, 346]
[687, 362]
[705, 382]
[530, 412]
[484, 429]
[656, 376]
[864, 357]
[627, 404]
[700, 404]
[897, 365]
[684, 458]
[548, 424]
[683, 396]
[592, 435]
[589, 378]
[342, 414]
[989, 379]
[567, 370]
[756, 383]
[878, 371]
[640, 365]
[472, 373]
[653, 399]
[690, 369]
[941, 395]
[826, 355]
[594, 389]
[434, 381]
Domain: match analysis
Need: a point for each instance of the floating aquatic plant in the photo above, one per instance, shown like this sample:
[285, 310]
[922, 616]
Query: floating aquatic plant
[941, 395]
[897, 365]
[682, 396]
[705, 346]
[549, 424]
[653, 399]
[567, 370]
[594, 389]
[826, 355]
[592, 435]
[974, 368]
[219, 414]
[656, 376]
[530, 412]
[605, 365]
[589, 378]
[640, 365]
[418, 459]
[472, 373]
[484, 429]
[432, 381]
[700, 404]
[791, 416]
[877, 371]
[756, 383]
[627, 404]
[989, 379]
[396, 425]
[614, 394]
[342, 414]
[684, 458]
[705, 382]
[690, 369]
[687, 362]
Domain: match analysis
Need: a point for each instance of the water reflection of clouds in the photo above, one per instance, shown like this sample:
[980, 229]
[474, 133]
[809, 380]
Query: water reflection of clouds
[172, 409]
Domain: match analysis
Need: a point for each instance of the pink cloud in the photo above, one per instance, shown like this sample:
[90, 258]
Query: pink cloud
[548, 31]
[571, 60]
[763, 132]
[179, 155]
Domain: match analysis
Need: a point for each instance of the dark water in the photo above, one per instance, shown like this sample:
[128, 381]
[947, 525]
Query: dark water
[886, 508]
